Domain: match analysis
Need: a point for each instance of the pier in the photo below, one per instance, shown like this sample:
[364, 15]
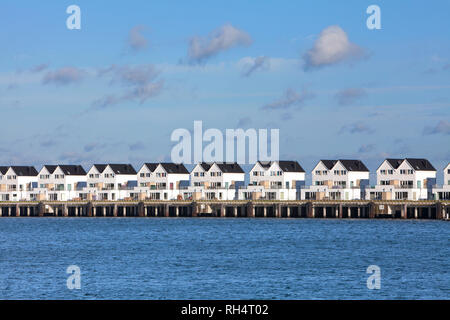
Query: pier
[353, 209]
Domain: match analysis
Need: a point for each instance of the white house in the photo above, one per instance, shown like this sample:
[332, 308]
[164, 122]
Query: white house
[403, 179]
[109, 182]
[215, 181]
[443, 193]
[17, 182]
[343, 179]
[162, 181]
[60, 182]
[276, 180]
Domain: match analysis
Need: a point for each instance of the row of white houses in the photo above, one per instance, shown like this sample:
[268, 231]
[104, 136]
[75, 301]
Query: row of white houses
[342, 179]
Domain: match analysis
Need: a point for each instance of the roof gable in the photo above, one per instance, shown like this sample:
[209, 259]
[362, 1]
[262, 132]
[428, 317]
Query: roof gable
[174, 168]
[72, 170]
[353, 165]
[290, 166]
[122, 168]
[24, 171]
[420, 164]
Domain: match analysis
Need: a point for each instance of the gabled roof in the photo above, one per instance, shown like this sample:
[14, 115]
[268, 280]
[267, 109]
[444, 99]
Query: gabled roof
[174, 167]
[151, 166]
[224, 167]
[72, 170]
[420, 164]
[205, 165]
[285, 165]
[25, 170]
[290, 166]
[265, 164]
[117, 168]
[395, 163]
[230, 167]
[3, 169]
[50, 168]
[100, 167]
[122, 168]
[353, 165]
[329, 163]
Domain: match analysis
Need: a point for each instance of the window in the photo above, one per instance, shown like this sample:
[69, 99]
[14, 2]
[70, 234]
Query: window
[195, 174]
[318, 172]
[142, 175]
[383, 171]
[391, 171]
[44, 176]
[324, 172]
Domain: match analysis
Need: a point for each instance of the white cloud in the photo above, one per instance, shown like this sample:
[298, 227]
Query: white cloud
[64, 76]
[250, 65]
[289, 98]
[224, 38]
[136, 40]
[331, 47]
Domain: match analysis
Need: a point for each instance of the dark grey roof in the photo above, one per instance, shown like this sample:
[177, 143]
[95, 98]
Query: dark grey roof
[122, 168]
[50, 168]
[151, 166]
[265, 164]
[224, 167]
[25, 170]
[174, 167]
[290, 166]
[205, 165]
[72, 170]
[100, 167]
[353, 165]
[395, 163]
[329, 163]
[285, 165]
[230, 167]
[420, 164]
[3, 169]
[117, 168]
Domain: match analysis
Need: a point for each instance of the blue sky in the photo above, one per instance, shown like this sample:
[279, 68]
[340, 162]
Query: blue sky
[72, 96]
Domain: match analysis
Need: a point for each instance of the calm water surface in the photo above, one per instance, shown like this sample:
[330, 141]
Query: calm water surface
[171, 258]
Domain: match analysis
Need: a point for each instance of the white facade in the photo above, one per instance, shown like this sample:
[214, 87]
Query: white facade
[214, 177]
[443, 193]
[447, 176]
[57, 185]
[271, 176]
[106, 183]
[402, 182]
[214, 181]
[336, 181]
[161, 181]
[15, 186]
